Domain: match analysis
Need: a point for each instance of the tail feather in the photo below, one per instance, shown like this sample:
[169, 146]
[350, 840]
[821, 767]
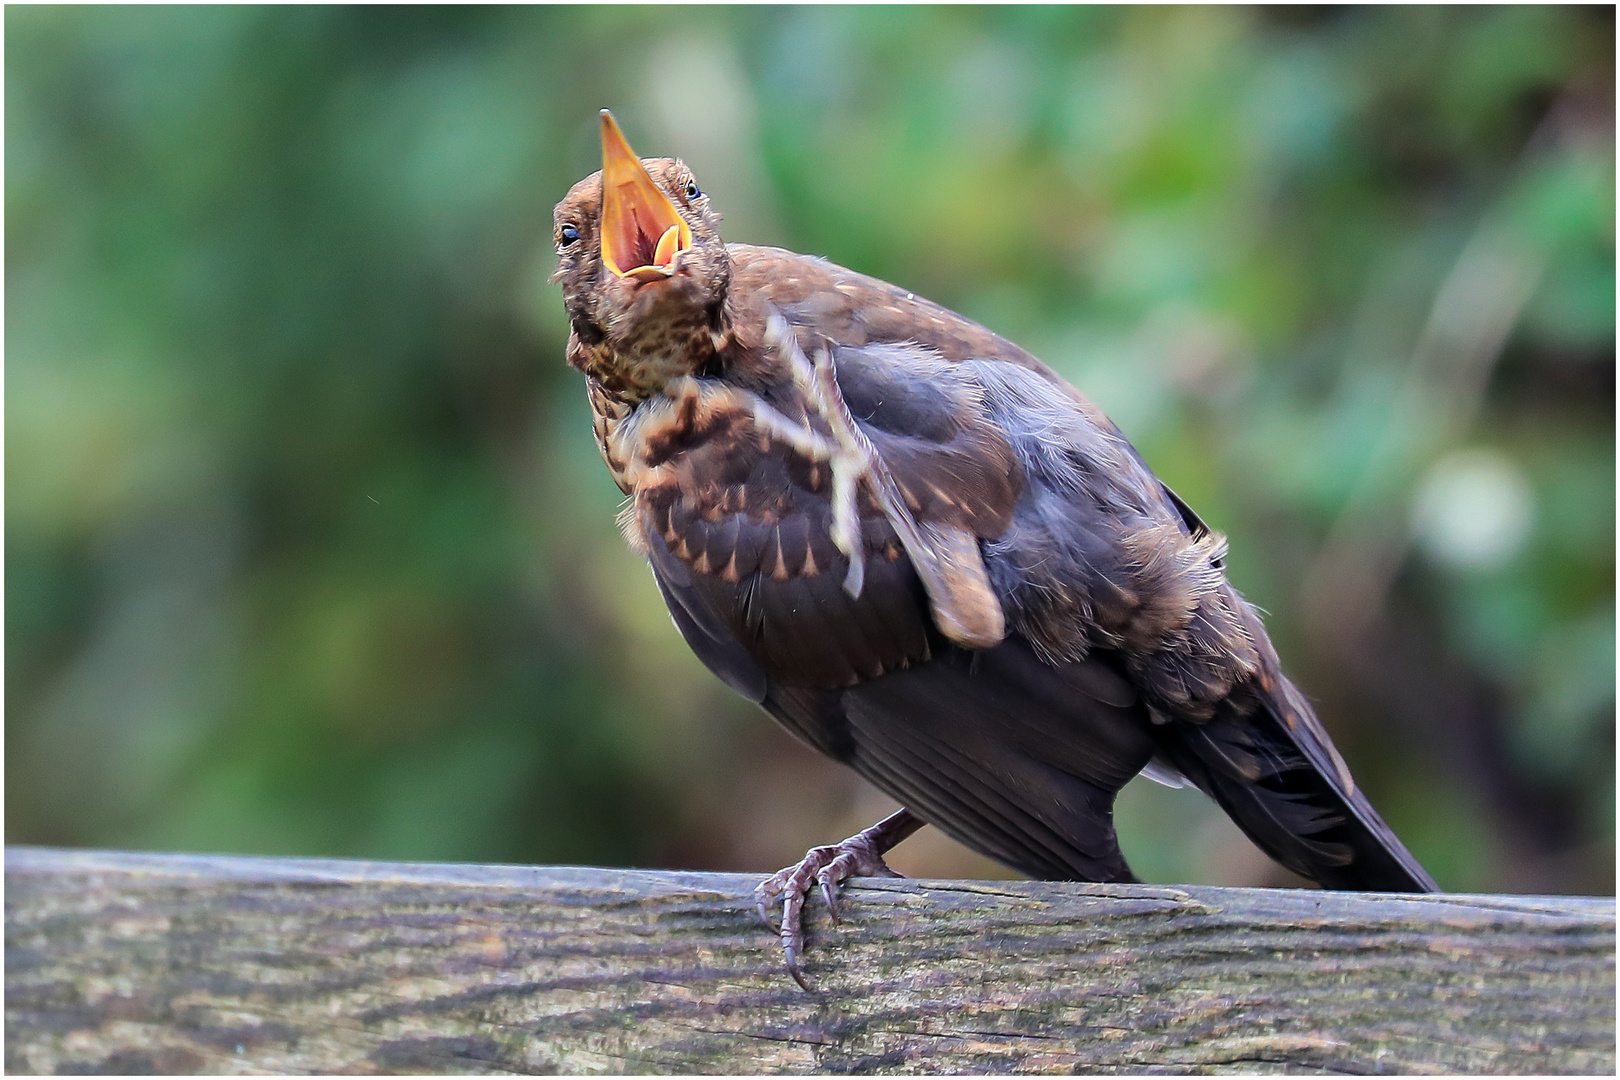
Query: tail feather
[1275, 772]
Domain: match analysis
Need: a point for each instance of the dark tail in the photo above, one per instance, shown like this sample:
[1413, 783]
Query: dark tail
[1265, 758]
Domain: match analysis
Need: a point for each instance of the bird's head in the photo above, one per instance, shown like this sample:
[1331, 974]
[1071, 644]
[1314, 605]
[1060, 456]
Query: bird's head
[644, 272]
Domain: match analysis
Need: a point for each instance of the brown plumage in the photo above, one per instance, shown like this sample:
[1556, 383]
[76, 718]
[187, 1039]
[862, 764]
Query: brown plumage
[928, 556]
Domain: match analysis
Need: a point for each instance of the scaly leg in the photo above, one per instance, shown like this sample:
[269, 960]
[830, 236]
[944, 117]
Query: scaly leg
[859, 856]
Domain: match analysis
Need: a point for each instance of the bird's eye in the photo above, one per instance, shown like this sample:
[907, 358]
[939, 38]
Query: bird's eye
[692, 191]
[567, 235]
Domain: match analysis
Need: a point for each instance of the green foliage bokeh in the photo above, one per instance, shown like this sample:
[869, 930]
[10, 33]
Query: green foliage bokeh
[308, 549]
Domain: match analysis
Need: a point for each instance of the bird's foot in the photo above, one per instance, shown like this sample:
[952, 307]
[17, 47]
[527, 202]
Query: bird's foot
[828, 866]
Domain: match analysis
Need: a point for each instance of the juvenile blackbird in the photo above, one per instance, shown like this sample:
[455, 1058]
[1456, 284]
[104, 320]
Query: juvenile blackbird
[928, 557]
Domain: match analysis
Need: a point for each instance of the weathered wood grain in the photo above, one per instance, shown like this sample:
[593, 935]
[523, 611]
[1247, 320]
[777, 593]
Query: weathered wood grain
[171, 963]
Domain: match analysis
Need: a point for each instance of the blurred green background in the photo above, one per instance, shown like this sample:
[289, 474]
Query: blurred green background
[309, 550]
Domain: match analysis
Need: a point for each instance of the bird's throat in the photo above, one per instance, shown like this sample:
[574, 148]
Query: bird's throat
[653, 347]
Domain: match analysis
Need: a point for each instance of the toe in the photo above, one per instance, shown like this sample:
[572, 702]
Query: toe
[793, 968]
[829, 893]
[793, 935]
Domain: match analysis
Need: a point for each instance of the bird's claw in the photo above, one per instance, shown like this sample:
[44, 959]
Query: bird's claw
[828, 866]
[794, 969]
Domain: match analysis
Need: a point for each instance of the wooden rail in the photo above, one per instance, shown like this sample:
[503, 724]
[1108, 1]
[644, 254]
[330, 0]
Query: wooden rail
[120, 962]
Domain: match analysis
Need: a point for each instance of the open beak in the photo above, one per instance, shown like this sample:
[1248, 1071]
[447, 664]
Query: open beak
[641, 230]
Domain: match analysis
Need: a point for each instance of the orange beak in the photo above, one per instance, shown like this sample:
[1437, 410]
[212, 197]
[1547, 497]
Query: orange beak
[641, 230]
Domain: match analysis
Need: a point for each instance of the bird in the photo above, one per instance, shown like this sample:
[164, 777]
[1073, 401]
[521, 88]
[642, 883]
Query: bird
[929, 557]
